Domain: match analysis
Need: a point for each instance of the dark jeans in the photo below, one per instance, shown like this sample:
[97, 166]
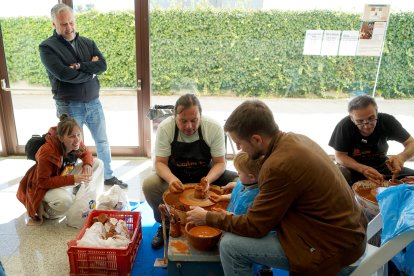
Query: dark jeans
[352, 176]
[2, 272]
[346, 271]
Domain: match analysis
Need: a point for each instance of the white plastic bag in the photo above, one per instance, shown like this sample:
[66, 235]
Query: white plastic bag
[95, 236]
[85, 201]
[113, 199]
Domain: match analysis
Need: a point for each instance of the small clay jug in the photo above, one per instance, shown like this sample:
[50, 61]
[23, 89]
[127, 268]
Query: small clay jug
[175, 228]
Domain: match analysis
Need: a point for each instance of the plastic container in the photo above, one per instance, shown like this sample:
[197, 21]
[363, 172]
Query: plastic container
[106, 261]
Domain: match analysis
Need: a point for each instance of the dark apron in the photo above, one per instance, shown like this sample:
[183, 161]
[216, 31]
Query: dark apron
[190, 162]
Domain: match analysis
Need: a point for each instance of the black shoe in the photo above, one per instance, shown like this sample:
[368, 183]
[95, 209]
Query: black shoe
[115, 181]
[158, 240]
[76, 189]
[265, 272]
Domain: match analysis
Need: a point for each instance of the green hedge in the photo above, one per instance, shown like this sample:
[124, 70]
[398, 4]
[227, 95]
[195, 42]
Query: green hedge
[218, 52]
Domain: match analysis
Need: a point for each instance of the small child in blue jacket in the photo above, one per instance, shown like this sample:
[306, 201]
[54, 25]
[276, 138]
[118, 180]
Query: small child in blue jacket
[244, 191]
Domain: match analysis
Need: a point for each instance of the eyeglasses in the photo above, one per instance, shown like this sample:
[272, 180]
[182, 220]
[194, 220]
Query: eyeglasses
[361, 123]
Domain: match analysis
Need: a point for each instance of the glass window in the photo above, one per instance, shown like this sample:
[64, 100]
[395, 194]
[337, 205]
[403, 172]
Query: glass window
[235, 50]
[33, 105]
[118, 92]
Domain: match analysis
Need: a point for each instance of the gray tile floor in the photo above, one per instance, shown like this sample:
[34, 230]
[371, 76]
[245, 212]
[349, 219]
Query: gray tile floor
[41, 250]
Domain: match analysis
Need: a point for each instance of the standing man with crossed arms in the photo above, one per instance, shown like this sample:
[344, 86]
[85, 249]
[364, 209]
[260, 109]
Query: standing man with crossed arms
[73, 63]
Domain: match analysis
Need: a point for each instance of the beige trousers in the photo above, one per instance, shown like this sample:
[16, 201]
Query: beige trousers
[58, 201]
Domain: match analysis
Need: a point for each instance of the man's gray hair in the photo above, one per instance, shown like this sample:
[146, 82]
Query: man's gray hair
[58, 8]
[361, 102]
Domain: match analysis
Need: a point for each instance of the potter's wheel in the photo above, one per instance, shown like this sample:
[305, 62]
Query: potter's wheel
[181, 202]
[187, 198]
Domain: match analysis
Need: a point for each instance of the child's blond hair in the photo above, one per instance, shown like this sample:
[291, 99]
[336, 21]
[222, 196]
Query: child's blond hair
[242, 162]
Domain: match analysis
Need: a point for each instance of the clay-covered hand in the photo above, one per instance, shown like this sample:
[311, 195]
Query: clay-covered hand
[196, 215]
[227, 189]
[176, 187]
[395, 164]
[373, 175]
[219, 210]
[215, 197]
[204, 182]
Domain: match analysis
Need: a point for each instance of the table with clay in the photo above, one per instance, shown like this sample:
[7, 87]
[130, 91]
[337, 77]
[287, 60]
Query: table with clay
[179, 249]
[183, 259]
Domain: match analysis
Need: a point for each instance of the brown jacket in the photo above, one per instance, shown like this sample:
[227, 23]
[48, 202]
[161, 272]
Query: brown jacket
[305, 197]
[45, 174]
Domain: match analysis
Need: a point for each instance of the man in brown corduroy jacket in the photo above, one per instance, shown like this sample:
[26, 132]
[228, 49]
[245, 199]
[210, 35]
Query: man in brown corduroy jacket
[305, 217]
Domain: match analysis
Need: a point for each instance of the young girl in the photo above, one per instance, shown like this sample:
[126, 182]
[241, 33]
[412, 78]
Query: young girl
[46, 190]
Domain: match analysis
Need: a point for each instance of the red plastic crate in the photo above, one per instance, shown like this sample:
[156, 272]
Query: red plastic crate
[106, 261]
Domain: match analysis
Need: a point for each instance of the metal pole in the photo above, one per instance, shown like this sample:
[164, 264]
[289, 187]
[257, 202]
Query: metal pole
[380, 58]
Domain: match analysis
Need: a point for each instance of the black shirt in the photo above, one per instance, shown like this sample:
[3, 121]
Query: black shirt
[371, 150]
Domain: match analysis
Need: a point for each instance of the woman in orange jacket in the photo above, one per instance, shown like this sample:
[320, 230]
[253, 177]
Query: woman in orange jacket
[48, 187]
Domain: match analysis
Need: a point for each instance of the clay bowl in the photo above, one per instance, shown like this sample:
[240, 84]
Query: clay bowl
[204, 237]
[173, 203]
[408, 179]
[396, 182]
[365, 192]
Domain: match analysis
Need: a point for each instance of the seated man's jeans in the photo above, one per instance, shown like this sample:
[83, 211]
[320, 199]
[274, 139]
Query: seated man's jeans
[238, 254]
[90, 114]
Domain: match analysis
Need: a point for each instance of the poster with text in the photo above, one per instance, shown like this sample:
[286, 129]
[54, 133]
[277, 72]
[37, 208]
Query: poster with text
[348, 44]
[313, 42]
[330, 43]
[373, 30]
[371, 45]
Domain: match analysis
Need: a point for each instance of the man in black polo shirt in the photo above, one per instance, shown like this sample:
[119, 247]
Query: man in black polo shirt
[361, 140]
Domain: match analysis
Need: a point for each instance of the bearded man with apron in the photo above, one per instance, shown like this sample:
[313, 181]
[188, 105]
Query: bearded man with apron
[188, 147]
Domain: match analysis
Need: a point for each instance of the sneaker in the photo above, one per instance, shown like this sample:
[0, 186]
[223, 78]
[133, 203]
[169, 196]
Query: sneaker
[158, 240]
[115, 181]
